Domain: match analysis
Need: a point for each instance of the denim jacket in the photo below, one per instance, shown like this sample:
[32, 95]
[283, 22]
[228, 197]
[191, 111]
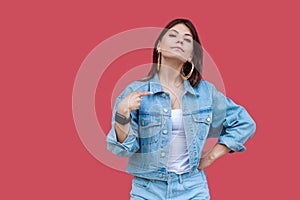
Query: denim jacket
[206, 112]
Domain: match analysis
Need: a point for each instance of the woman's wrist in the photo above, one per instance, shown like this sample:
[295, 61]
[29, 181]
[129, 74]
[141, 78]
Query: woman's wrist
[124, 111]
[218, 151]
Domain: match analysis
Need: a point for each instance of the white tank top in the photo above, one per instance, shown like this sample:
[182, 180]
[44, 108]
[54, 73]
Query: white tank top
[178, 160]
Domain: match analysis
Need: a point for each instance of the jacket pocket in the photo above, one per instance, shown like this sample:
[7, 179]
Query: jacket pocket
[149, 132]
[202, 123]
[149, 125]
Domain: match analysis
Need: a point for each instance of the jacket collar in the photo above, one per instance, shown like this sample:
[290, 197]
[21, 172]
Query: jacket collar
[155, 86]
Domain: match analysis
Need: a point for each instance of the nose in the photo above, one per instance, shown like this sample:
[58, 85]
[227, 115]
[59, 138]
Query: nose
[180, 39]
[180, 42]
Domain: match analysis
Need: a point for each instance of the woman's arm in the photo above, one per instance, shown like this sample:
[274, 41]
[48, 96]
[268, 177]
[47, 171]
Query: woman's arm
[122, 130]
[122, 140]
[238, 127]
[217, 152]
[126, 105]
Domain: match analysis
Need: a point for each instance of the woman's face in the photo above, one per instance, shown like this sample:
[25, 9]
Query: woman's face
[177, 43]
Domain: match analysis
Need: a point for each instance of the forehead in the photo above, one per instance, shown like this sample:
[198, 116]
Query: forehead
[181, 28]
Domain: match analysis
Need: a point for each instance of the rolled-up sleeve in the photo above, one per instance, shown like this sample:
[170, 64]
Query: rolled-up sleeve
[131, 144]
[238, 126]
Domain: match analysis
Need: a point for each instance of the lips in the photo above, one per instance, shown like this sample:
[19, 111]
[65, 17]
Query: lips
[179, 48]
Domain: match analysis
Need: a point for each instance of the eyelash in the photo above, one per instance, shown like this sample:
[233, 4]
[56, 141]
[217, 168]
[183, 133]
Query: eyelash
[187, 40]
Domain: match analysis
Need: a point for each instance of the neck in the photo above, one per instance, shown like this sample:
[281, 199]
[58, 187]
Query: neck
[169, 72]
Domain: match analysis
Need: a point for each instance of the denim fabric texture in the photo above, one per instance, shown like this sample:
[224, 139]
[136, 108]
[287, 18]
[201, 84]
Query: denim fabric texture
[206, 113]
[177, 187]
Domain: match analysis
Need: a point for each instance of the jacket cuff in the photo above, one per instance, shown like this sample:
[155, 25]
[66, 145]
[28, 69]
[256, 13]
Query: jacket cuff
[231, 144]
[120, 149]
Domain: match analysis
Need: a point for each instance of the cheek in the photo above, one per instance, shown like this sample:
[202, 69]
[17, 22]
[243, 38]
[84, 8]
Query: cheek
[166, 43]
[189, 50]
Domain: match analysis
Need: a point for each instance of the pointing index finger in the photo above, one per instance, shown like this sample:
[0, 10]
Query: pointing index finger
[144, 93]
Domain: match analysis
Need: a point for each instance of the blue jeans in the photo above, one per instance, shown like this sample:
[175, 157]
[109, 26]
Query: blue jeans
[178, 187]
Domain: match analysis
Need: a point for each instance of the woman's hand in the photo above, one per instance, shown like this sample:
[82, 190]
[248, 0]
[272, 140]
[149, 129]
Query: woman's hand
[126, 105]
[206, 160]
[131, 102]
[210, 157]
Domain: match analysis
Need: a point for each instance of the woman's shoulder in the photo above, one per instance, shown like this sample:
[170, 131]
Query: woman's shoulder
[204, 84]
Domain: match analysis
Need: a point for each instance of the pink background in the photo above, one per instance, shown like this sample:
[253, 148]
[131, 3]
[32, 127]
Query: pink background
[255, 45]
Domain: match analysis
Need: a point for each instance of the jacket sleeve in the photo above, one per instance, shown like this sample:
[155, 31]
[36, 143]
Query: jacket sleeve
[238, 126]
[131, 144]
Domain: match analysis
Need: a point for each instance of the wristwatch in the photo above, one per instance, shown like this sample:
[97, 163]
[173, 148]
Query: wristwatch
[121, 119]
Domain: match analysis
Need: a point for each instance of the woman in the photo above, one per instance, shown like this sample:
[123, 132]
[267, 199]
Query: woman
[162, 122]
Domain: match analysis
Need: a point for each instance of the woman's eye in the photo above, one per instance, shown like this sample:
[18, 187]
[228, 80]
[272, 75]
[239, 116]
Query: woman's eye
[188, 40]
[172, 35]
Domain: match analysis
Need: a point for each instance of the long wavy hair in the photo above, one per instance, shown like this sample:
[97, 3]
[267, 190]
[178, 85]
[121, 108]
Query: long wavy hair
[197, 59]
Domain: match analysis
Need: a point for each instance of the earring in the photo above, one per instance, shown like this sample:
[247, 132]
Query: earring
[187, 69]
[159, 59]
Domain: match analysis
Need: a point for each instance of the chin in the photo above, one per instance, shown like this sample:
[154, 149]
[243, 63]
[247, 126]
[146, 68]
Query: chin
[175, 55]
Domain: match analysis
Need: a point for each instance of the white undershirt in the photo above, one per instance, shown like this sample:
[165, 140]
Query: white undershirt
[178, 160]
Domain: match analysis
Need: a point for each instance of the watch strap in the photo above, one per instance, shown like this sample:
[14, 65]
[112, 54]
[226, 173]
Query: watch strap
[121, 119]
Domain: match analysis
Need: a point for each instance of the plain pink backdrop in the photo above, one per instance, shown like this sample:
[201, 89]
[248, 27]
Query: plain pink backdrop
[255, 45]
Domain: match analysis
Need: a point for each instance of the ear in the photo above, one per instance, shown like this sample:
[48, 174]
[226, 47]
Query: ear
[158, 47]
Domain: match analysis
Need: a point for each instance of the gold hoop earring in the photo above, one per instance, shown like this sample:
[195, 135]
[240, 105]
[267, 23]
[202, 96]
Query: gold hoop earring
[183, 72]
[159, 60]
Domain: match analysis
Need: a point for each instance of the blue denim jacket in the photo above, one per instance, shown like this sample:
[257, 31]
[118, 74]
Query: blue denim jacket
[206, 113]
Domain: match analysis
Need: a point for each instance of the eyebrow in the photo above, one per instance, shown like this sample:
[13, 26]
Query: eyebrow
[178, 32]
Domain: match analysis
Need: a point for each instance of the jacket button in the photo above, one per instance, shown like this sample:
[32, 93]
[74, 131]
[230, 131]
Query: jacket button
[163, 95]
[160, 175]
[165, 110]
[208, 119]
[163, 154]
[165, 131]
